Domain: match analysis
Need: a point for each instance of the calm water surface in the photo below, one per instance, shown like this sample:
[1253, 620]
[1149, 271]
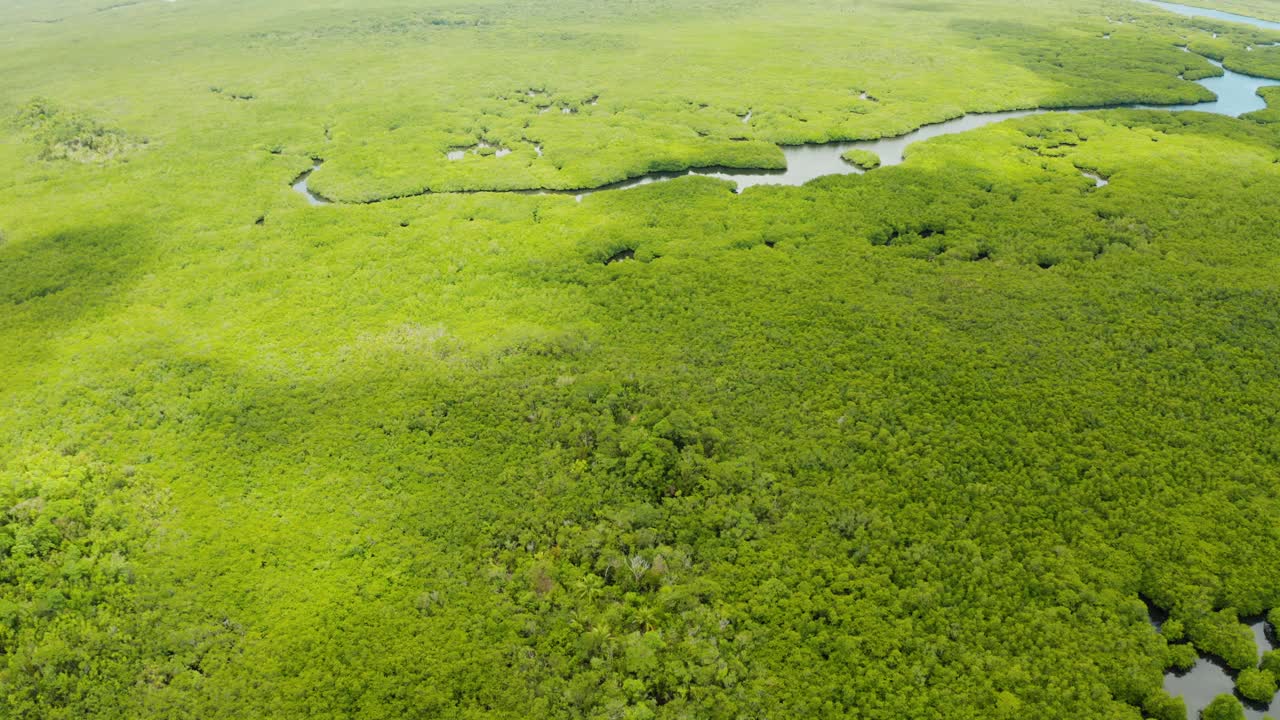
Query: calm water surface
[1215, 14]
[1237, 94]
[300, 185]
[1210, 678]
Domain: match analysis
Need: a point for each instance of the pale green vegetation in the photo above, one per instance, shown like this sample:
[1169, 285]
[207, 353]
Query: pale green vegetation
[1257, 685]
[1223, 707]
[384, 94]
[1182, 656]
[864, 159]
[913, 443]
[1264, 9]
[1272, 113]
[62, 135]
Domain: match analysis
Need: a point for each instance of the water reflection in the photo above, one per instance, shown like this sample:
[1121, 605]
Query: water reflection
[806, 162]
[1211, 677]
[1237, 94]
[1214, 14]
[300, 185]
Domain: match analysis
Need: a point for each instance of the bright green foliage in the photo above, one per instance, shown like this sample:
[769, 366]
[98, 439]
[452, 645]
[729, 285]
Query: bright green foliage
[68, 599]
[604, 90]
[1257, 685]
[68, 136]
[1162, 706]
[1221, 634]
[864, 159]
[1271, 662]
[1271, 113]
[1182, 656]
[912, 443]
[1262, 61]
[536, 467]
[1223, 707]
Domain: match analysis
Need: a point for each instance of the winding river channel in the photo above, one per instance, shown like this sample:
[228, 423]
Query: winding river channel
[1214, 14]
[1236, 94]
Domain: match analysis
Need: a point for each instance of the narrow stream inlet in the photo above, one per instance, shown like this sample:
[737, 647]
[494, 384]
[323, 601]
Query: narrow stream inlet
[300, 184]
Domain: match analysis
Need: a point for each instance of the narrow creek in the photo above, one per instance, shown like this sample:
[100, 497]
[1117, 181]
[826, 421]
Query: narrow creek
[1236, 93]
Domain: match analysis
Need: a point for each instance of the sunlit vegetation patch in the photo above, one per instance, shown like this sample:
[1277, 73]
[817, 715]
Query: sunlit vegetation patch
[71, 529]
[1096, 72]
[1257, 684]
[1241, 48]
[864, 159]
[391, 26]
[67, 135]
[1271, 114]
[671, 451]
[909, 443]
[669, 98]
[1258, 60]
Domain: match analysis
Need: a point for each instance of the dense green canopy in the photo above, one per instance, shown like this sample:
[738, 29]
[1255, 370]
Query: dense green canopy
[916, 443]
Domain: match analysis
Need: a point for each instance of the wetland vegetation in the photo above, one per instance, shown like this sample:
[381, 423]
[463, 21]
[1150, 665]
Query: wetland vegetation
[937, 440]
